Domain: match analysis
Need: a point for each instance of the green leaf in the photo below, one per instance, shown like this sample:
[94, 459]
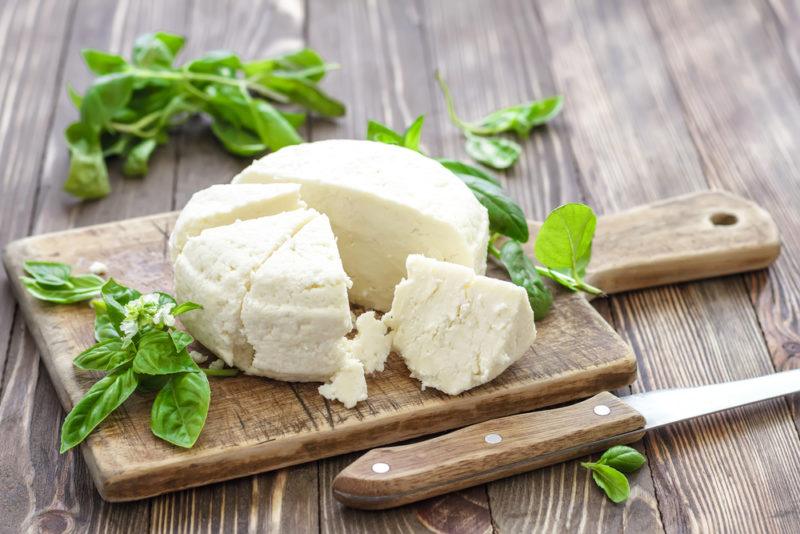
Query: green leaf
[103, 397]
[51, 274]
[157, 355]
[413, 134]
[185, 307]
[81, 288]
[88, 176]
[74, 97]
[523, 273]
[459, 169]
[156, 50]
[275, 131]
[103, 327]
[564, 242]
[236, 139]
[307, 94]
[105, 355]
[115, 297]
[505, 216]
[180, 409]
[181, 339]
[220, 62]
[520, 118]
[622, 458]
[106, 96]
[495, 152]
[136, 160]
[611, 481]
[383, 134]
[103, 62]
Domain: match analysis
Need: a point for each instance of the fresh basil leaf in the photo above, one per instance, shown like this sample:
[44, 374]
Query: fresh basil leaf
[104, 356]
[295, 119]
[275, 131]
[307, 94]
[413, 134]
[88, 175]
[184, 307]
[495, 152]
[81, 288]
[180, 409]
[622, 458]
[150, 383]
[220, 62]
[157, 355]
[611, 481]
[74, 97]
[505, 216]
[306, 61]
[103, 62]
[523, 273]
[115, 297]
[103, 397]
[106, 96]
[236, 139]
[136, 160]
[520, 118]
[51, 274]
[383, 134]
[156, 50]
[181, 339]
[103, 327]
[459, 169]
[564, 242]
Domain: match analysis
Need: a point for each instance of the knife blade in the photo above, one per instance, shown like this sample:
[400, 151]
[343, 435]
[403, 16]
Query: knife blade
[392, 476]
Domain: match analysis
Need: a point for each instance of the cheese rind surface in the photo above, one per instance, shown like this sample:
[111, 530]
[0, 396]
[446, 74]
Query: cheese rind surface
[384, 202]
[223, 204]
[457, 330]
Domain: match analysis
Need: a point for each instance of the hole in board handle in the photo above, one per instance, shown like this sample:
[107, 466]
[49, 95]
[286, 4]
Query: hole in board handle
[723, 219]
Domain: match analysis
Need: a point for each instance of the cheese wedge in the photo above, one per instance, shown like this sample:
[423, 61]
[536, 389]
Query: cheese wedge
[457, 330]
[215, 269]
[296, 313]
[384, 202]
[223, 204]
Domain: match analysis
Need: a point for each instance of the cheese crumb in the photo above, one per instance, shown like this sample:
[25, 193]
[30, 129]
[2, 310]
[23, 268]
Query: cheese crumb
[372, 343]
[98, 268]
[198, 357]
[348, 385]
[217, 364]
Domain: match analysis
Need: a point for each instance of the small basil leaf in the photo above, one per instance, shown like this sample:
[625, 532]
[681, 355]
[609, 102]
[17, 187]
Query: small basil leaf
[184, 307]
[495, 152]
[413, 134]
[181, 339]
[505, 216]
[564, 242]
[460, 169]
[103, 397]
[103, 62]
[219, 62]
[50, 274]
[622, 458]
[74, 97]
[383, 134]
[88, 175]
[307, 94]
[523, 273]
[106, 96]
[236, 139]
[115, 297]
[520, 118]
[275, 131]
[103, 327]
[156, 50]
[136, 161]
[157, 355]
[611, 481]
[180, 409]
[104, 356]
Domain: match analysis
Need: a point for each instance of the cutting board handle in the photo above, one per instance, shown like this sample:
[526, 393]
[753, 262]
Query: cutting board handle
[393, 476]
[699, 235]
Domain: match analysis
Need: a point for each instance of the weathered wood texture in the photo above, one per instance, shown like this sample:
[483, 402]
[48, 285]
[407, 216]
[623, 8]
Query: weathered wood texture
[663, 98]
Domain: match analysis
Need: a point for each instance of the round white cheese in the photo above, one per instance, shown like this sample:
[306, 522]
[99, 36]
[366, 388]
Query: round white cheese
[223, 204]
[455, 329]
[384, 202]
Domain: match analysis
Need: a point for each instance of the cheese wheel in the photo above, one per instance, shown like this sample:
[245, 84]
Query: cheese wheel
[214, 270]
[296, 313]
[223, 204]
[384, 202]
[455, 329]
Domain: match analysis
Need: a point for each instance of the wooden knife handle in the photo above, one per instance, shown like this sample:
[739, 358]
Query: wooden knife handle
[700, 235]
[393, 476]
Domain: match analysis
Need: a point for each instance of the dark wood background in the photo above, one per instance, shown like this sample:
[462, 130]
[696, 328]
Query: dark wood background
[662, 98]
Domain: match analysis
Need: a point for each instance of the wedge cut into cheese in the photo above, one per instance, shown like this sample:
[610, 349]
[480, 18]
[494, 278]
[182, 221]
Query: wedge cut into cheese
[223, 204]
[214, 270]
[296, 313]
[384, 202]
[457, 330]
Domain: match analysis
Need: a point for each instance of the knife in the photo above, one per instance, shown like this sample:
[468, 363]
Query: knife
[393, 476]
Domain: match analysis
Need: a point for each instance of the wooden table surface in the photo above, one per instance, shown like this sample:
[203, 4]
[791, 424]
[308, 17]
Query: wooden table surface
[662, 98]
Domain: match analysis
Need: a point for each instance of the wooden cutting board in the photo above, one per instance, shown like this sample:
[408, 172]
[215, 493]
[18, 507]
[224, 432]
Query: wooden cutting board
[257, 424]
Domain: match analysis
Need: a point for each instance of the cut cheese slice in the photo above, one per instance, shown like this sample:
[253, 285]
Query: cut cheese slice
[214, 270]
[296, 313]
[455, 329]
[222, 204]
[384, 202]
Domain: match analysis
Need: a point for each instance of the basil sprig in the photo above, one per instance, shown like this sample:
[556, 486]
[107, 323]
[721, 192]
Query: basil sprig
[129, 108]
[609, 471]
[482, 142]
[140, 349]
[53, 282]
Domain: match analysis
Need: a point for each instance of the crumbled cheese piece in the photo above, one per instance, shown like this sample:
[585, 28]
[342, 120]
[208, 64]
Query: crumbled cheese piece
[348, 385]
[214, 271]
[372, 343]
[223, 204]
[217, 364]
[198, 357]
[98, 268]
[384, 202]
[296, 313]
[455, 329]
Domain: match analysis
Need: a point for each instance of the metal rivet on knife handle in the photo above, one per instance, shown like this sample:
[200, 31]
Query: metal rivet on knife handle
[380, 468]
[602, 409]
[492, 438]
